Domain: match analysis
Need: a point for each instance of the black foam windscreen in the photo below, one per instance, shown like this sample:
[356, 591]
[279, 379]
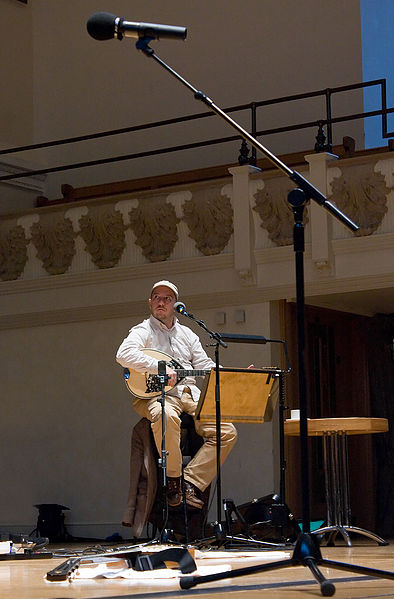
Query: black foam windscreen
[101, 26]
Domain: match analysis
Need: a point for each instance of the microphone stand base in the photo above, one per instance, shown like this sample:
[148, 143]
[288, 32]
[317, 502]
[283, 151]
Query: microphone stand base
[306, 553]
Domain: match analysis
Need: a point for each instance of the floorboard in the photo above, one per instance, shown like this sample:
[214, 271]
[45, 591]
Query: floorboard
[26, 579]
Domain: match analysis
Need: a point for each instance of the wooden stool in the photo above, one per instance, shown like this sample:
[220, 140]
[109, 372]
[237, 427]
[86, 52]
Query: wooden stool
[336, 471]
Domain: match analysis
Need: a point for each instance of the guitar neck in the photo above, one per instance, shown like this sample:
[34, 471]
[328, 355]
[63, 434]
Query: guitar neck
[183, 373]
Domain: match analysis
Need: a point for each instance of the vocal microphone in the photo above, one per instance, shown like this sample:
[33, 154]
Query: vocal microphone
[162, 368]
[162, 374]
[181, 308]
[106, 26]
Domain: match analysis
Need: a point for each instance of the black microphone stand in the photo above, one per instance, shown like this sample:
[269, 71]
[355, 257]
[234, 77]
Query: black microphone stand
[307, 552]
[219, 532]
[165, 534]
[223, 536]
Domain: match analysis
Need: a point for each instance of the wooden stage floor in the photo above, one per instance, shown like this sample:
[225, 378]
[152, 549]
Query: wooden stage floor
[25, 579]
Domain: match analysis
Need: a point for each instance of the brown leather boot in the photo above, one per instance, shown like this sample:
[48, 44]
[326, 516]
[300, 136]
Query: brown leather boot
[192, 498]
[174, 491]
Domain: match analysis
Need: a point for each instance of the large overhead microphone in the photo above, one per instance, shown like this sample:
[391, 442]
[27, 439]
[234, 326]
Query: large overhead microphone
[106, 26]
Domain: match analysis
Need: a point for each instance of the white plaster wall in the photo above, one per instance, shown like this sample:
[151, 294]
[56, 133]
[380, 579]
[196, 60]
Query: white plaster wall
[66, 420]
[62, 427]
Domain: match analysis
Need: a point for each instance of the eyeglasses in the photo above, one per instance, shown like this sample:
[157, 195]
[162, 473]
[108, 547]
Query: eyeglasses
[165, 298]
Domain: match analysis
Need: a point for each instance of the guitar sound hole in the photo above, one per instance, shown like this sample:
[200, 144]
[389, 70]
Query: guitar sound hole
[152, 384]
[152, 380]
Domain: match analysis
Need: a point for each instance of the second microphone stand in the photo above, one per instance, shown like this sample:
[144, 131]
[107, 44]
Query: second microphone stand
[221, 535]
[219, 532]
[163, 380]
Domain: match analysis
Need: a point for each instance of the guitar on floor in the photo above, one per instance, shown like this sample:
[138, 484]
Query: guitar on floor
[145, 385]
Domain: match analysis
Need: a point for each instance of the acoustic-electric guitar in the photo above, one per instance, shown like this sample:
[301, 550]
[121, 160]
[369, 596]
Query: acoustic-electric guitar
[145, 385]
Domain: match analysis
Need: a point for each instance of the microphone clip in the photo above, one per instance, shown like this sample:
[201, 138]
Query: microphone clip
[142, 44]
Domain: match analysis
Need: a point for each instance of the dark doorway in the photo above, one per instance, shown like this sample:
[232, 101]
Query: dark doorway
[339, 359]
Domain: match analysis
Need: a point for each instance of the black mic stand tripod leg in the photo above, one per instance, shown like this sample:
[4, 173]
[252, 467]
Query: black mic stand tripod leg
[306, 553]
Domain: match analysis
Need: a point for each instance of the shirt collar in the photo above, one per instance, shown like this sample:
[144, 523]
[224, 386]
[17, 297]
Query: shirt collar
[157, 323]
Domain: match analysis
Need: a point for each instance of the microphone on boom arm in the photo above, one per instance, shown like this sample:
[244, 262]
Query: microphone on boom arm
[106, 26]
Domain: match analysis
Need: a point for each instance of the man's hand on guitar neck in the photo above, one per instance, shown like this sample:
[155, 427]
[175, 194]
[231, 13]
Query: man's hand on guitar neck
[172, 376]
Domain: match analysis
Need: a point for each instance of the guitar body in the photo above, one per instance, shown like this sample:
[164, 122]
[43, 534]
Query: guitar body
[144, 385]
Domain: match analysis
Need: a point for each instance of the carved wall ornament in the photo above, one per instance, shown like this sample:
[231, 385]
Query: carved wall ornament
[103, 232]
[361, 193]
[54, 239]
[209, 217]
[154, 224]
[275, 212]
[13, 253]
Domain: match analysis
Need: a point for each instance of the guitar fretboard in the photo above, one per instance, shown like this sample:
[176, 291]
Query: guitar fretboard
[182, 373]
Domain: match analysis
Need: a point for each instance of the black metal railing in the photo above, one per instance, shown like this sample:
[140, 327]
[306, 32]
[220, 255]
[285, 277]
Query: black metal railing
[324, 141]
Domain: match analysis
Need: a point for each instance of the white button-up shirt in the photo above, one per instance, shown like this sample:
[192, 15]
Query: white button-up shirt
[179, 341]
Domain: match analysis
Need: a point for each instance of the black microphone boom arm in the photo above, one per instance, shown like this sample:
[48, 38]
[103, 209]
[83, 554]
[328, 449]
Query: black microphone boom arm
[307, 188]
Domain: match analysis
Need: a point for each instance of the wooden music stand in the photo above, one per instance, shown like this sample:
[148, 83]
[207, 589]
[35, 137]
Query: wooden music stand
[246, 395]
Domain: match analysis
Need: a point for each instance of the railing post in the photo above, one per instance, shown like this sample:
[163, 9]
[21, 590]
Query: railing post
[254, 131]
[329, 117]
[384, 108]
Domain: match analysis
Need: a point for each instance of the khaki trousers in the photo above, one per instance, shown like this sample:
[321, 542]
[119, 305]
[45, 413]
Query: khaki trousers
[201, 470]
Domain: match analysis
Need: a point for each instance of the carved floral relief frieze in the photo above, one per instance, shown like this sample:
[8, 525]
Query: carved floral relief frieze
[13, 252]
[361, 193]
[54, 239]
[154, 224]
[103, 232]
[209, 217]
[275, 212]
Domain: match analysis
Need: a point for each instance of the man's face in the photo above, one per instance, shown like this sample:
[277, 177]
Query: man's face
[161, 305]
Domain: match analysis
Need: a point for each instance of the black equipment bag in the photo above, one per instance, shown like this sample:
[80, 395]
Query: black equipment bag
[265, 518]
[50, 522]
